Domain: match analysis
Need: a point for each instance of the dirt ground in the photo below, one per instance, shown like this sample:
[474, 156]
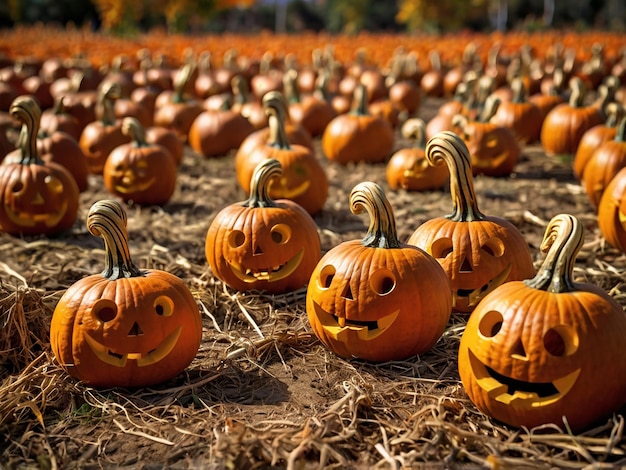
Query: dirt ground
[263, 392]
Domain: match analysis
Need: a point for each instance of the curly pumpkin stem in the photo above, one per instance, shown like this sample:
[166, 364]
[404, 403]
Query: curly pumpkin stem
[275, 106]
[562, 241]
[133, 129]
[263, 174]
[26, 110]
[450, 148]
[107, 219]
[577, 98]
[180, 82]
[106, 102]
[381, 232]
[415, 129]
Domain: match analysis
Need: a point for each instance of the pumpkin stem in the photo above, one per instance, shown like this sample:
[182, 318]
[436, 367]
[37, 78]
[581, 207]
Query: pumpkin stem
[26, 110]
[240, 89]
[577, 97]
[450, 148]
[518, 90]
[415, 129]
[381, 232]
[620, 135]
[290, 86]
[491, 105]
[180, 82]
[107, 219]
[614, 114]
[106, 102]
[275, 107]
[133, 128]
[562, 241]
[360, 101]
[262, 176]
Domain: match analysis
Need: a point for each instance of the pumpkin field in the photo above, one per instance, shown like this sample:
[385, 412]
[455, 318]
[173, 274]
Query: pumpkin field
[360, 330]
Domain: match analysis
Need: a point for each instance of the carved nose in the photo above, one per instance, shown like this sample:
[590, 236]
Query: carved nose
[135, 330]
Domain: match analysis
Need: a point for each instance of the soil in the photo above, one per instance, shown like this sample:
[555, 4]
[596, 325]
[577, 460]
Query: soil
[263, 392]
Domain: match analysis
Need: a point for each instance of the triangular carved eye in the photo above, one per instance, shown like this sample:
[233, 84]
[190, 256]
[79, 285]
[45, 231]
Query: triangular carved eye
[466, 266]
[135, 330]
[518, 350]
[441, 247]
[347, 294]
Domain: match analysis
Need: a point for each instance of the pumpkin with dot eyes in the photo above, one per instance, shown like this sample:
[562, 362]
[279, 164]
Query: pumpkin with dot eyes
[125, 327]
[377, 299]
[547, 349]
[140, 172]
[263, 244]
[303, 179]
[408, 168]
[477, 251]
[36, 197]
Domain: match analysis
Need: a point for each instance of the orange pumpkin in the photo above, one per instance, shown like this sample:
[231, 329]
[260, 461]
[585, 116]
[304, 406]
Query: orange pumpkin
[612, 211]
[125, 327]
[35, 197]
[303, 181]
[543, 350]
[377, 299]
[263, 244]
[523, 117]
[408, 167]
[478, 252]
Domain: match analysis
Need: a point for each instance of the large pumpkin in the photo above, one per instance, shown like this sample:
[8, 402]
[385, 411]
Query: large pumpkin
[547, 349]
[35, 197]
[377, 299]
[478, 252]
[612, 211]
[125, 327]
[263, 244]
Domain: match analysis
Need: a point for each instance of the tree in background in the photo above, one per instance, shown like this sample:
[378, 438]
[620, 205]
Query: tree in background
[441, 15]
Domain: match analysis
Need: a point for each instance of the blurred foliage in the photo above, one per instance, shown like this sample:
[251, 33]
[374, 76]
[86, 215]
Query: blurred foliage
[345, 16]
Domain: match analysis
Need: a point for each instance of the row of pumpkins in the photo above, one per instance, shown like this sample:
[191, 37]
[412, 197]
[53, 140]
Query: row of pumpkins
[535, 349]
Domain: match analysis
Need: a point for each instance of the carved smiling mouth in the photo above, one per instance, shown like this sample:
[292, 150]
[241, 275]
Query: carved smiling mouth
[340, 328]
[518, 393]
[28, 219]
[134, 188]
[113, 358]
[283, 192]
[473, 296]
[274, 273]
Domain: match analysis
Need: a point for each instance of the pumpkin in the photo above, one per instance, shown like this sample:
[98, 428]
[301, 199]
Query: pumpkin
[408, 167]
[523, 117]
[596, 136]
[432, 79]
[612, 211]
[493, 148]
[124, 327]
[604, 163]
[174, 109]
[358, 136]
[263, 244]
[377, 299]
[303, 179]
[100, 137]
[35, 197]
[545, 349]
[248, 106]
[216, 132]
[565, 124]
[56, 119]
[478, 252]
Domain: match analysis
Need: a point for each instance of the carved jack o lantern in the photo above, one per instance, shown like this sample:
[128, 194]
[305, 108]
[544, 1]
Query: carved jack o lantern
[263, 244]
[478, 252]
[35, 197]
[537, 351]
[125, 327]
[377, 299]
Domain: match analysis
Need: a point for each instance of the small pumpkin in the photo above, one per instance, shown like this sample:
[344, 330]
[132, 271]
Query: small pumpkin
[494, 149]
[263, 244]
[140, 172]
[36, 197]
[125, 327]
[543, 350]
[408, 167]
[523, 117]
[478, 252]
[100, 137]
[377, 299]
[303, 178]
[565, 124]
[612, 211]
[358, 135]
